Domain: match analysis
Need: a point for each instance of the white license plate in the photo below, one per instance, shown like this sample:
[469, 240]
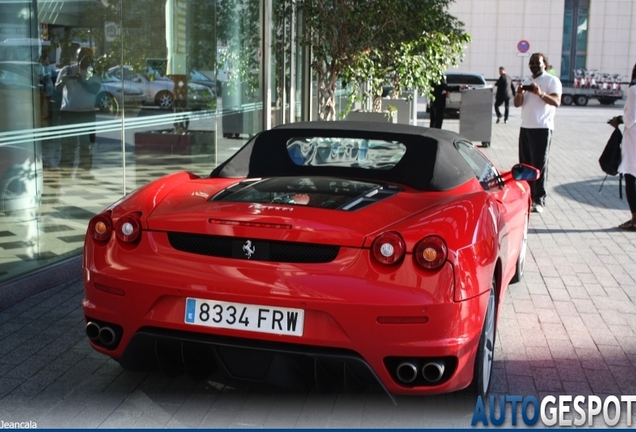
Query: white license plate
[238, 316]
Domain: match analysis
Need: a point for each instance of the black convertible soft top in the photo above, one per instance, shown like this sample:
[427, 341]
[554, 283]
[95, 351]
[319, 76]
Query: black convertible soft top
[431, 161]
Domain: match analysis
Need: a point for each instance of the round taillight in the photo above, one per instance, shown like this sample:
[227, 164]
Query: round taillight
[431, 252]
[388, 248]
[128, 228]
[100, 227]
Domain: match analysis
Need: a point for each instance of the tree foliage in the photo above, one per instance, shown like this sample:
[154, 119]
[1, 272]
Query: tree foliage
[239, 33]
[409, 42]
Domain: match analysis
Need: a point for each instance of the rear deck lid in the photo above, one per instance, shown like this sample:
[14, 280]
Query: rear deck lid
[324, 210]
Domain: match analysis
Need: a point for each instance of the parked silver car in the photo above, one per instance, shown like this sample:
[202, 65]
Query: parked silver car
[470, 79]
[159, 90]
[116, 95]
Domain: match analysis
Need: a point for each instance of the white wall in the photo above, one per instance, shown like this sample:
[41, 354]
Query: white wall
[611, 40]
[496, 27]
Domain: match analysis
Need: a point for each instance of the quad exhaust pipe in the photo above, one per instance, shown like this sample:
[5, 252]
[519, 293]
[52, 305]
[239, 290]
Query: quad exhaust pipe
[406, 372]
[431, 372]
[103, 334]
[92, 330]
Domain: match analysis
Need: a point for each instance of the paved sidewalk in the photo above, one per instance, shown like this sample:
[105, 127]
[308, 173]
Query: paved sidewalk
[567, 328]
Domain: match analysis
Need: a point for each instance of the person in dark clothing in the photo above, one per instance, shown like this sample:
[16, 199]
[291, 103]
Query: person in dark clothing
[79, 87]
[438, 104]
[505, 92]
[627, 166]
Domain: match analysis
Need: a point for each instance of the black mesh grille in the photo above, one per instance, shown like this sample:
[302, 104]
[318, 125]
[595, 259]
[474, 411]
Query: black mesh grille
[255, 250]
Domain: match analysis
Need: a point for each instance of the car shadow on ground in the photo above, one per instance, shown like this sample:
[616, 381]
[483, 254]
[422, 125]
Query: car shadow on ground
[591, 193]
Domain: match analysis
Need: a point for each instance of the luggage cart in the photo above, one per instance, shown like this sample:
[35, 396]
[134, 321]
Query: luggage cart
[475, 115]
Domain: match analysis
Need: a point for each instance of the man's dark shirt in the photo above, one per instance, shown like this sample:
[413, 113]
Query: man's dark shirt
[505, 88]
[439, 92]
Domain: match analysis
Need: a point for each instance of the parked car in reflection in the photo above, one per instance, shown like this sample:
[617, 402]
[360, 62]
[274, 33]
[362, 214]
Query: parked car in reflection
[116, 95]
[21, 181]
[198, 77]
[159, 90]
[470, 79]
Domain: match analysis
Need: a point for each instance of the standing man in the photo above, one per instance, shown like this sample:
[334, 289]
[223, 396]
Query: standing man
[505, 92]
[79, 87]
[438, 104]
[539, 96]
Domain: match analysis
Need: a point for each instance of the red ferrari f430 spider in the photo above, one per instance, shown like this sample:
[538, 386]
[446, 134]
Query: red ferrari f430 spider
[321, 253]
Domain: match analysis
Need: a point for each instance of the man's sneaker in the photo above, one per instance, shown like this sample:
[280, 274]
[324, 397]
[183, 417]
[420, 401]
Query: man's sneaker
[537, 208]
[498, 119]
[505, 121]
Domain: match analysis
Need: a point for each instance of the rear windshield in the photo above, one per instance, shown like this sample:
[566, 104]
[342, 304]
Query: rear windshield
[372, 154]
[465, 79]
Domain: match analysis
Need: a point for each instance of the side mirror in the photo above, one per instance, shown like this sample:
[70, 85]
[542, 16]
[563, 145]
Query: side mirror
[525, 172]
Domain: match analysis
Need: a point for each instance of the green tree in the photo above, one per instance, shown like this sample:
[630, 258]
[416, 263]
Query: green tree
[410, 42]
[239, 33]
[412, 59]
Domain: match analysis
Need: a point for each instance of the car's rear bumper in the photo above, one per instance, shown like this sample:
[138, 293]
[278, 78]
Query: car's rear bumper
[143, 293]
[286, 365]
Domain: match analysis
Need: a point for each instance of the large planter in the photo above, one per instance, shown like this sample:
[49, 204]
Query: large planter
[404, 108]
[372, 116]
[167, 146]
[161, 152]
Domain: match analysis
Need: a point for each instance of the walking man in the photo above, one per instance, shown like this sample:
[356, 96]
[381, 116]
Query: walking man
[538, 97]
[505, 92]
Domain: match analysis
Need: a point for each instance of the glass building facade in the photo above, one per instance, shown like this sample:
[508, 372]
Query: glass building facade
[159, 86]
[575, 35]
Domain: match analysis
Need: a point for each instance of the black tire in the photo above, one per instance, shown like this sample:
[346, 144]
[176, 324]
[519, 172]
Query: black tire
[164, 100]
[567, 99]
[521, 259]
[485, 143]
[580, 100]
[484, 360]
[106, 103]
[606, 101]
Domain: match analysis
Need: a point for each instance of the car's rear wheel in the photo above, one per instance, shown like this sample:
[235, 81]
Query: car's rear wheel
[106, 103]
[521, 260]
[486, 350]
[164, 100]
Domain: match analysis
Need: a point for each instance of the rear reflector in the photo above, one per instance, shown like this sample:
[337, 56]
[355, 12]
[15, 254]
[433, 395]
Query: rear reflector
[110, 290]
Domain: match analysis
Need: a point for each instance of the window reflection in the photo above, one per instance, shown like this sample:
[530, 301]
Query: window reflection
[181, 93]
